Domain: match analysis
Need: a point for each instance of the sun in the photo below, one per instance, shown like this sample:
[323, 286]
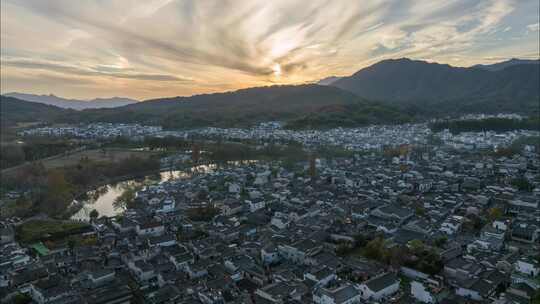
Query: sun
[277, 69]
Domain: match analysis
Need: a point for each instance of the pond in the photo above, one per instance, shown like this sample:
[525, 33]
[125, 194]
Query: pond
[102, 199]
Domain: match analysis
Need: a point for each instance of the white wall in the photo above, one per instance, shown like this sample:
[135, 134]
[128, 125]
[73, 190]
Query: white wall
[527, 268]
[419, 292]
[369, 294]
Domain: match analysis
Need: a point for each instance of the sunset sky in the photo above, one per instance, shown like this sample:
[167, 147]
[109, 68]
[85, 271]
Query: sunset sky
[156, 48]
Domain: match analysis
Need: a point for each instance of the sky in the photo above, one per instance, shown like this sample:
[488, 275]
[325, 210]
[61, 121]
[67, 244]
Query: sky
[157, 48]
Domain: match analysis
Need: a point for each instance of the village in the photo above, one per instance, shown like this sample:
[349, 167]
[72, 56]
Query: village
[427, 224]
[376, 137]
[94, 131]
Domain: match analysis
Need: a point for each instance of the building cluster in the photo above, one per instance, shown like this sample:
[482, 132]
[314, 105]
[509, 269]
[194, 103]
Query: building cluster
[365, 138]
[95, 131]
[450, 228]
[482, 116]
[361, 139]
[374, 137]
[489, 140]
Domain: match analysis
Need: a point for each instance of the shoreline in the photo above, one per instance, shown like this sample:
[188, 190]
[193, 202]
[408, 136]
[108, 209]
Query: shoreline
[72, 209]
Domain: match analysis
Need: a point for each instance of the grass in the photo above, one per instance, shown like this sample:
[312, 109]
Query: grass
[95, 155]
[36, 230]
[15, 208]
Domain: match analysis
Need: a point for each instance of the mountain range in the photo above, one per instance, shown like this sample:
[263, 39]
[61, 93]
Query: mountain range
[502, 65]
[242, 108]
[75, 104]
[328, 80]
[13, 111]
[433, 87]
[390, 91]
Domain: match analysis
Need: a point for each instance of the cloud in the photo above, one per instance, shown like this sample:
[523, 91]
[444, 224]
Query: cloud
[181, 47]
[73, 70]
[534, 27]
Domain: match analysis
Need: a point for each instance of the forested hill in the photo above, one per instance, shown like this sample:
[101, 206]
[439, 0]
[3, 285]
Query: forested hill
[13, 111]
[241, 108]
[441, 88]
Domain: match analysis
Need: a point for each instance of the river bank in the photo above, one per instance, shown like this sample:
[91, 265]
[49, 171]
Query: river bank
[104, 202]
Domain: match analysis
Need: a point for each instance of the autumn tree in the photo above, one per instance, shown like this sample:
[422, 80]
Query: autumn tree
[312, 166]
[494, 213]
[58, 195]
[374, 249]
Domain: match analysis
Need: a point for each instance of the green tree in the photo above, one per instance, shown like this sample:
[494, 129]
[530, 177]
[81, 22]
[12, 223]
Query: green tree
[360, 240]
[416, 246]
[420, 210]
[536, 297]
[439, 242]
[71, 244]
[21, 298]
[127, 198]
[522, 184]
[94, 214]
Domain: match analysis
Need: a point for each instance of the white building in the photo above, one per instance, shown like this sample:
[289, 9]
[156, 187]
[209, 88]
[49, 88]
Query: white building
[379, 287]
[425, 291]
[255, 205]
[167, 205]
[150, 229]
[270, 254]
[527, 267]
[452, 225]
[345, 294]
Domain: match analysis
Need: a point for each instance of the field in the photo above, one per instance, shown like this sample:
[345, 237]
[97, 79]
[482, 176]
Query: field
[36, 230]
[71, 159]
[95, 155]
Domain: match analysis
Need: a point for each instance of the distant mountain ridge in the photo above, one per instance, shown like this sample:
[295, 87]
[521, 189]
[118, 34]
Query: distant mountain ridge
[391, 91]
[13, 111]
[75, 104]
[442, 88]
[328, 80]
[242, 108]
[504, 64]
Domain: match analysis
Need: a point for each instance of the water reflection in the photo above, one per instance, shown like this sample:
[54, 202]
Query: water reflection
[103, 198]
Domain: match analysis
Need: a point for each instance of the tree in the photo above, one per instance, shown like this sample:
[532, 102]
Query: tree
[536, 297]
[71, 244]
[360, 240]
[94, 214]
[21, 298]
[58, 195]
[416, 245]
[420, 210]
[374, 249]
[441, 241]
[342, 249]
[312, 166]
[202, 214]
[11, 155]
[494, 213]
[127, 198]
[522, 184]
